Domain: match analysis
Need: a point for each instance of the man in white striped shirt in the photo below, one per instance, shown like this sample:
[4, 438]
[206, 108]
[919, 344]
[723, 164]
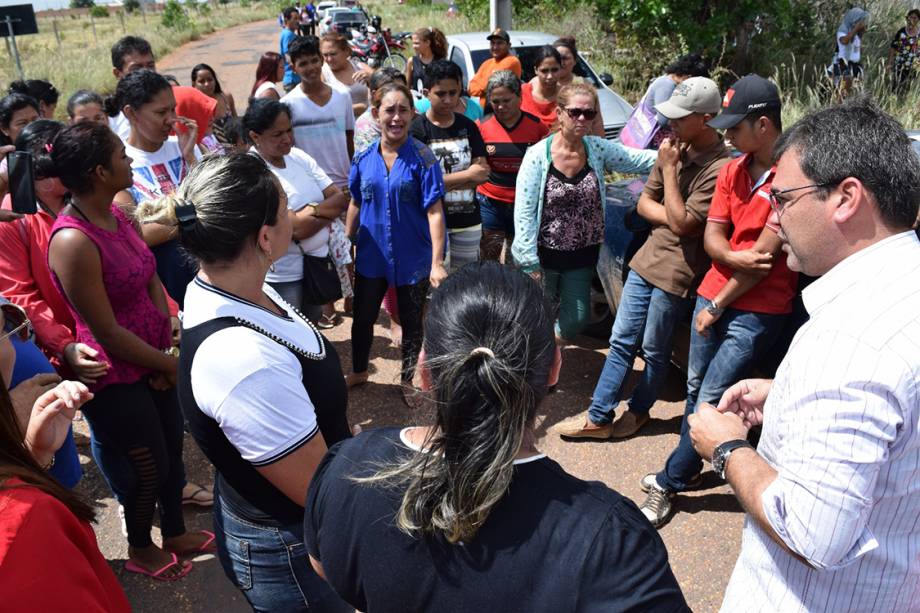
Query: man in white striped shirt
[833, 490]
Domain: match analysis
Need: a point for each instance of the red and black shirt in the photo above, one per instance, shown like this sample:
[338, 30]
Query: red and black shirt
[505, 148]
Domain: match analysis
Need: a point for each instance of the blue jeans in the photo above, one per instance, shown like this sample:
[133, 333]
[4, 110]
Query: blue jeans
[735, 342]
[292, 292]
[648, 314]
[269, 564]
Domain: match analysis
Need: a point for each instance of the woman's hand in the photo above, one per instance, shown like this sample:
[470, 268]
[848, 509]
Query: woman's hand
[51, 417]
[82, 361]
[438, 274]
[187, 132]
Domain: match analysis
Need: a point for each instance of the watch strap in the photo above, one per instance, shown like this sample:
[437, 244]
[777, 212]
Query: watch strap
[724, 450]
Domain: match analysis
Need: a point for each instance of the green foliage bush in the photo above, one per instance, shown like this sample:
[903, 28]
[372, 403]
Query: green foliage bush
[174, 16]
[99, 12]
[82, 4]
[131, 5]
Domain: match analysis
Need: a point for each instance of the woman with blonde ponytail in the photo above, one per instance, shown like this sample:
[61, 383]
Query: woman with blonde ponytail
[260, 386]
[467, 514]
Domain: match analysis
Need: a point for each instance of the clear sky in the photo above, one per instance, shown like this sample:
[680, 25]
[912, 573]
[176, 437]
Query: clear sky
[43, 5]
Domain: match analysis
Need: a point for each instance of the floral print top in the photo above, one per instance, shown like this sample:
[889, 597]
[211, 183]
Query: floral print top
[906, 49]
[572, 217]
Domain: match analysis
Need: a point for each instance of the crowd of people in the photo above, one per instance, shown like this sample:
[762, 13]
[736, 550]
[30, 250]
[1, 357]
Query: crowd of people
[184, 260]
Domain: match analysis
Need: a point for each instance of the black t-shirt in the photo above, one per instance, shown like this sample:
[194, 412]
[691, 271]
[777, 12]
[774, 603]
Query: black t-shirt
[553, 544]
[455, 147]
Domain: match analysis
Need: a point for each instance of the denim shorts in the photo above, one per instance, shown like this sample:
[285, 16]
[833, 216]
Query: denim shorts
[496, 215]
[269, 564]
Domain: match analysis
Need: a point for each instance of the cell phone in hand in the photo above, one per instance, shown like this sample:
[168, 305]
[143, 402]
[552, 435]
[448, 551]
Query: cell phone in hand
[22, 182]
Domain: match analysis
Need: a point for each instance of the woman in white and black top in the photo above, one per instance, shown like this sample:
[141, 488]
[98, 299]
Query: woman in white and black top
[313, 200]
[259, 385]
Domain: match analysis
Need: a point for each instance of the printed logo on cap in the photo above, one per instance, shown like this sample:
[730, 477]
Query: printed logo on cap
[682, 89]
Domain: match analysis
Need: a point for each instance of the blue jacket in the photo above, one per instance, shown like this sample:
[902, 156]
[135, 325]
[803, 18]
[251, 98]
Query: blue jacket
[603, 155]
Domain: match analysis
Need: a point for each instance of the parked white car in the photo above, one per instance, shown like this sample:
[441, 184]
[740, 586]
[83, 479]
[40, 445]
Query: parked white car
[323, 6]
[471, 49]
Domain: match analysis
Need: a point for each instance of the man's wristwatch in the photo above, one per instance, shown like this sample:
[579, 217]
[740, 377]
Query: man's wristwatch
[721, 453]
[714, 309]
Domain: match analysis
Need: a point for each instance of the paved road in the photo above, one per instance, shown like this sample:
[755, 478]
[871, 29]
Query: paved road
[703, 539]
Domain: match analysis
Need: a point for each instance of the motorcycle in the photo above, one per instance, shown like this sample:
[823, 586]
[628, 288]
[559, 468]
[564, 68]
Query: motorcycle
[378, 48]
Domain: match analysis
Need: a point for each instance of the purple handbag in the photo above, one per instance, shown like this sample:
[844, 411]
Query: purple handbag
[641, 126]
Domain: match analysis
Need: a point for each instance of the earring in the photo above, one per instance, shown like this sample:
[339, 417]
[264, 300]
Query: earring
[271, 262]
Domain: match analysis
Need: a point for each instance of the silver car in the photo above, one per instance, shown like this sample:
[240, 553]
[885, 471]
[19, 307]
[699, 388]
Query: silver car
[471, 49]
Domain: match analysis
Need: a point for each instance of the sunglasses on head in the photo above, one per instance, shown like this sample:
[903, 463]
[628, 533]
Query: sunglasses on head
[588, 114]
[15, 322]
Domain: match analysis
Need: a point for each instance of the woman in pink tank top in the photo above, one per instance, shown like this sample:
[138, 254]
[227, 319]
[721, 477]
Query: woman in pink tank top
[108, 276]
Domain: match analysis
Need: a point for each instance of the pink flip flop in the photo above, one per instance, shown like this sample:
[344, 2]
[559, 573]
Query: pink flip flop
[206, 547]
[132, 567]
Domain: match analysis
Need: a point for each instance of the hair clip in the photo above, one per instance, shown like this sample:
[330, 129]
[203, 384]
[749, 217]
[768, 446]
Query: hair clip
[482, 351]
[49, 147]
[187, 215]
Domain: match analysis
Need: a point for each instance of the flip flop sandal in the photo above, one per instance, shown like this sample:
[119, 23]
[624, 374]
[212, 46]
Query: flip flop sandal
[133, 567]
[195, 499]
[206, 547]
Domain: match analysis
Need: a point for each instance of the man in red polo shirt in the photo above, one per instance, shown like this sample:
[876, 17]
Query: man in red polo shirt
[747, 293]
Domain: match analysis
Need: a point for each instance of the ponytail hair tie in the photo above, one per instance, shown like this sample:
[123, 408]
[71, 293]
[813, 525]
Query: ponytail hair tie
[186, 215]
[482, 351]
[49, 147]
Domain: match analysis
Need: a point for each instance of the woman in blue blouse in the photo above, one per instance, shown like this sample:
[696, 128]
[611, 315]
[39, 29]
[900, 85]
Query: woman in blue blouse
[396, 219]
[559, 205]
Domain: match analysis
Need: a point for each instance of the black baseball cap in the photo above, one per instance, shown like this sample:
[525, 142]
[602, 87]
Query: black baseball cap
[748, 95]
[499, 33]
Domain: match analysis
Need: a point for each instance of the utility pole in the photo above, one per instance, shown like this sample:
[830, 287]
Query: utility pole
[500, 14]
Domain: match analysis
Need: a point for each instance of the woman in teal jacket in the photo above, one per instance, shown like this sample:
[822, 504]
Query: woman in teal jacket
[559, 205]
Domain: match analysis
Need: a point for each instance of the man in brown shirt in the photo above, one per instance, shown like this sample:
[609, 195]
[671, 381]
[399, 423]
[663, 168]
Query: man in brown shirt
[667, 268]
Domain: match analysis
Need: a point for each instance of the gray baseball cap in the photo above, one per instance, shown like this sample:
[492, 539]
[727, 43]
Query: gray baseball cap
[694, 95]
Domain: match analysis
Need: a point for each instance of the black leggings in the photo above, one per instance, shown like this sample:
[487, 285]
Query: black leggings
[137, 434]
[410, 300]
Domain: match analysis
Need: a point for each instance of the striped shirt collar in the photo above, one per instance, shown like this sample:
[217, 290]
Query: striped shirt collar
[855, 269]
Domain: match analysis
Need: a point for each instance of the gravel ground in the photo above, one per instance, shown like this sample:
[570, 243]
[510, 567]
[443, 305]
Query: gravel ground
[703, 538]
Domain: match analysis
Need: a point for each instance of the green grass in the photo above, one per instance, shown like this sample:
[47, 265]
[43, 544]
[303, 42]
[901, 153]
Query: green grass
[83, 60]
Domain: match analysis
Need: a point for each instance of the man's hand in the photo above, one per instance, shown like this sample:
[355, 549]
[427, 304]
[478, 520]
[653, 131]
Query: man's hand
[24, 395]
[748, 260]
[746, 400]
[437, 275]
[669, 153]
[83, 361]
[51, 417]
[536, 275]
[704, 319]
[709, 428]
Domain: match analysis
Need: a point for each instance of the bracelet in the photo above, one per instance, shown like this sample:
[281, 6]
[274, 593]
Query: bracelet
[172, 351]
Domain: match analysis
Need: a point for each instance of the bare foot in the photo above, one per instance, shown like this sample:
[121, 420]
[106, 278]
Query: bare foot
[190, 543]
[395, 334]
[152, 558]
[356, 378]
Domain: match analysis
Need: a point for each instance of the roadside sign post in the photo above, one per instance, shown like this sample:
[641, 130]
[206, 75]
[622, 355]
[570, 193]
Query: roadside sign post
[17, 20]
[9, 30]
